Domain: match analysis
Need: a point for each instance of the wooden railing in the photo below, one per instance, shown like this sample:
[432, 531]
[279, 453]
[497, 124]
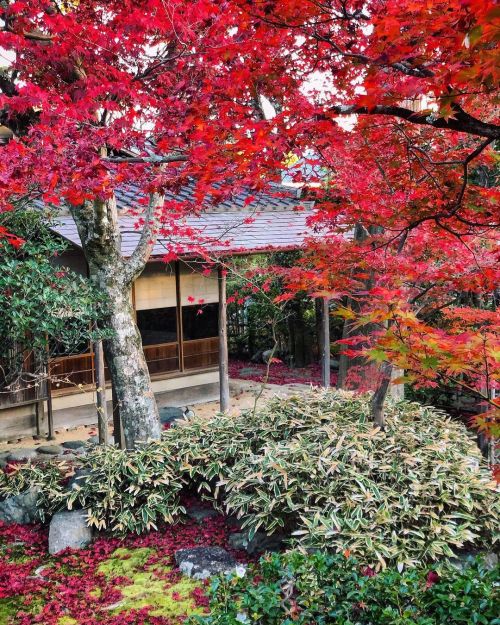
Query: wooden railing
[78, 369]
[201, 353]
[72, 371]
[162, 358]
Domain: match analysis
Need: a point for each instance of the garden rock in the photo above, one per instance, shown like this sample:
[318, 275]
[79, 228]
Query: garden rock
[203, 562]
[93, 440]
[73, 444]
[77, 479]
[247, 371]
[199, 514]
[490, 561]
[20, 508]
[259, 542]
[50, 450]
[267, 355]
[257, 357]
[19, 455]
[69, 529]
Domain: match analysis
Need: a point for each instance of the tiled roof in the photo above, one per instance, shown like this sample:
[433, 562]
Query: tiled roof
[266, 224]
[278, 198]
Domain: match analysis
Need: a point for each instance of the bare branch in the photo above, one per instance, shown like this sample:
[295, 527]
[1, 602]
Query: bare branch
[141, 254]
[460, 122]
[172, 158]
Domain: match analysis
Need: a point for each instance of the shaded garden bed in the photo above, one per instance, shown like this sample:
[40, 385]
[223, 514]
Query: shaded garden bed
[114, 581]
[279, 373]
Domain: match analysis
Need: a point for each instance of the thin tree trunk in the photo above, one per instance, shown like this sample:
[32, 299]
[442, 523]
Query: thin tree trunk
[325, 343]
[102, 408]
[347, 362]
[378, 399]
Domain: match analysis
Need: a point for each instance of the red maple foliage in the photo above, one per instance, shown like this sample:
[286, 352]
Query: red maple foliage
[70, 584]
[392, 108]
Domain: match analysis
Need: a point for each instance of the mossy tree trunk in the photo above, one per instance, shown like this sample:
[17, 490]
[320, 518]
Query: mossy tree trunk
[114, 275]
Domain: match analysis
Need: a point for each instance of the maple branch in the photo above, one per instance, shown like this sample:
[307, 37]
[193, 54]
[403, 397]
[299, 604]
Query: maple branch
[480, 148]
[403, 66]
[460, 122]
[142, 252]
[37, 36]
[172, 158]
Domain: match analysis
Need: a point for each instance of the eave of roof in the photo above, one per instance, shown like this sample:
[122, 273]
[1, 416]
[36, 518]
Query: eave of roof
[248, 223]
[219, 234]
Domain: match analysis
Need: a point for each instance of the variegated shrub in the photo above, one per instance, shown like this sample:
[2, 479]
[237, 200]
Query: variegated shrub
[314, 467]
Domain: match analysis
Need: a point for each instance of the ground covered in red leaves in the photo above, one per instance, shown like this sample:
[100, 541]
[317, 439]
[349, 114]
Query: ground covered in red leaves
[279, 373]
[130, 581]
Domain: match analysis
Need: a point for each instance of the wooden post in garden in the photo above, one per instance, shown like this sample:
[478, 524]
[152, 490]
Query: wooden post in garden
[100, 382]
[325, 343]
[50, 413]
[223, 350]
[118, 434]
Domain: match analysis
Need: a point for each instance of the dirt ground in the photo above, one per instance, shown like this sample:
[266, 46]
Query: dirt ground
[243, 395]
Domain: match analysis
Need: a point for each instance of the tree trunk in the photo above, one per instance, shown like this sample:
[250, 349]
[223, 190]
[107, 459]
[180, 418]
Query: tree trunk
[378, 399]
[113, 275]
[347, 362]
[128, 368]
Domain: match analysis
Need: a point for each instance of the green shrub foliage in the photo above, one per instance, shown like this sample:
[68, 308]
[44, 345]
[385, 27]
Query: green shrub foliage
[312, 467]
[123, 491]
[129, 491]
[321, 589]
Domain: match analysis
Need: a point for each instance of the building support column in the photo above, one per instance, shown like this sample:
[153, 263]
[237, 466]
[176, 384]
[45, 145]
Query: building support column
[100, 382]
[325, 342]
[50, 412]
[118, 434]
[223, 349]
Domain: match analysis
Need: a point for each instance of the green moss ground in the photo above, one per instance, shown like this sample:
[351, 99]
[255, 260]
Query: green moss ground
[137, 576]
[167, 597]
[8, 609]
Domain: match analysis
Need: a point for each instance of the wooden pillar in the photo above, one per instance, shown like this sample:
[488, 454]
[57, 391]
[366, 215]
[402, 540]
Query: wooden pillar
[100, 382]
[118, 434]
[40, 397]
[325, 343]
[223, 350]
[50, 414]
[39, 416]
[180, 331]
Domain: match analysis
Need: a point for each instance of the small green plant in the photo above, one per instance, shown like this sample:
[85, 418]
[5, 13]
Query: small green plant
[323, 589]
[123, 491]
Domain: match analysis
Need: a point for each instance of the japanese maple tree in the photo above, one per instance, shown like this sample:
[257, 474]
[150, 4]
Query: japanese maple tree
[100, 95]
[395, 106]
